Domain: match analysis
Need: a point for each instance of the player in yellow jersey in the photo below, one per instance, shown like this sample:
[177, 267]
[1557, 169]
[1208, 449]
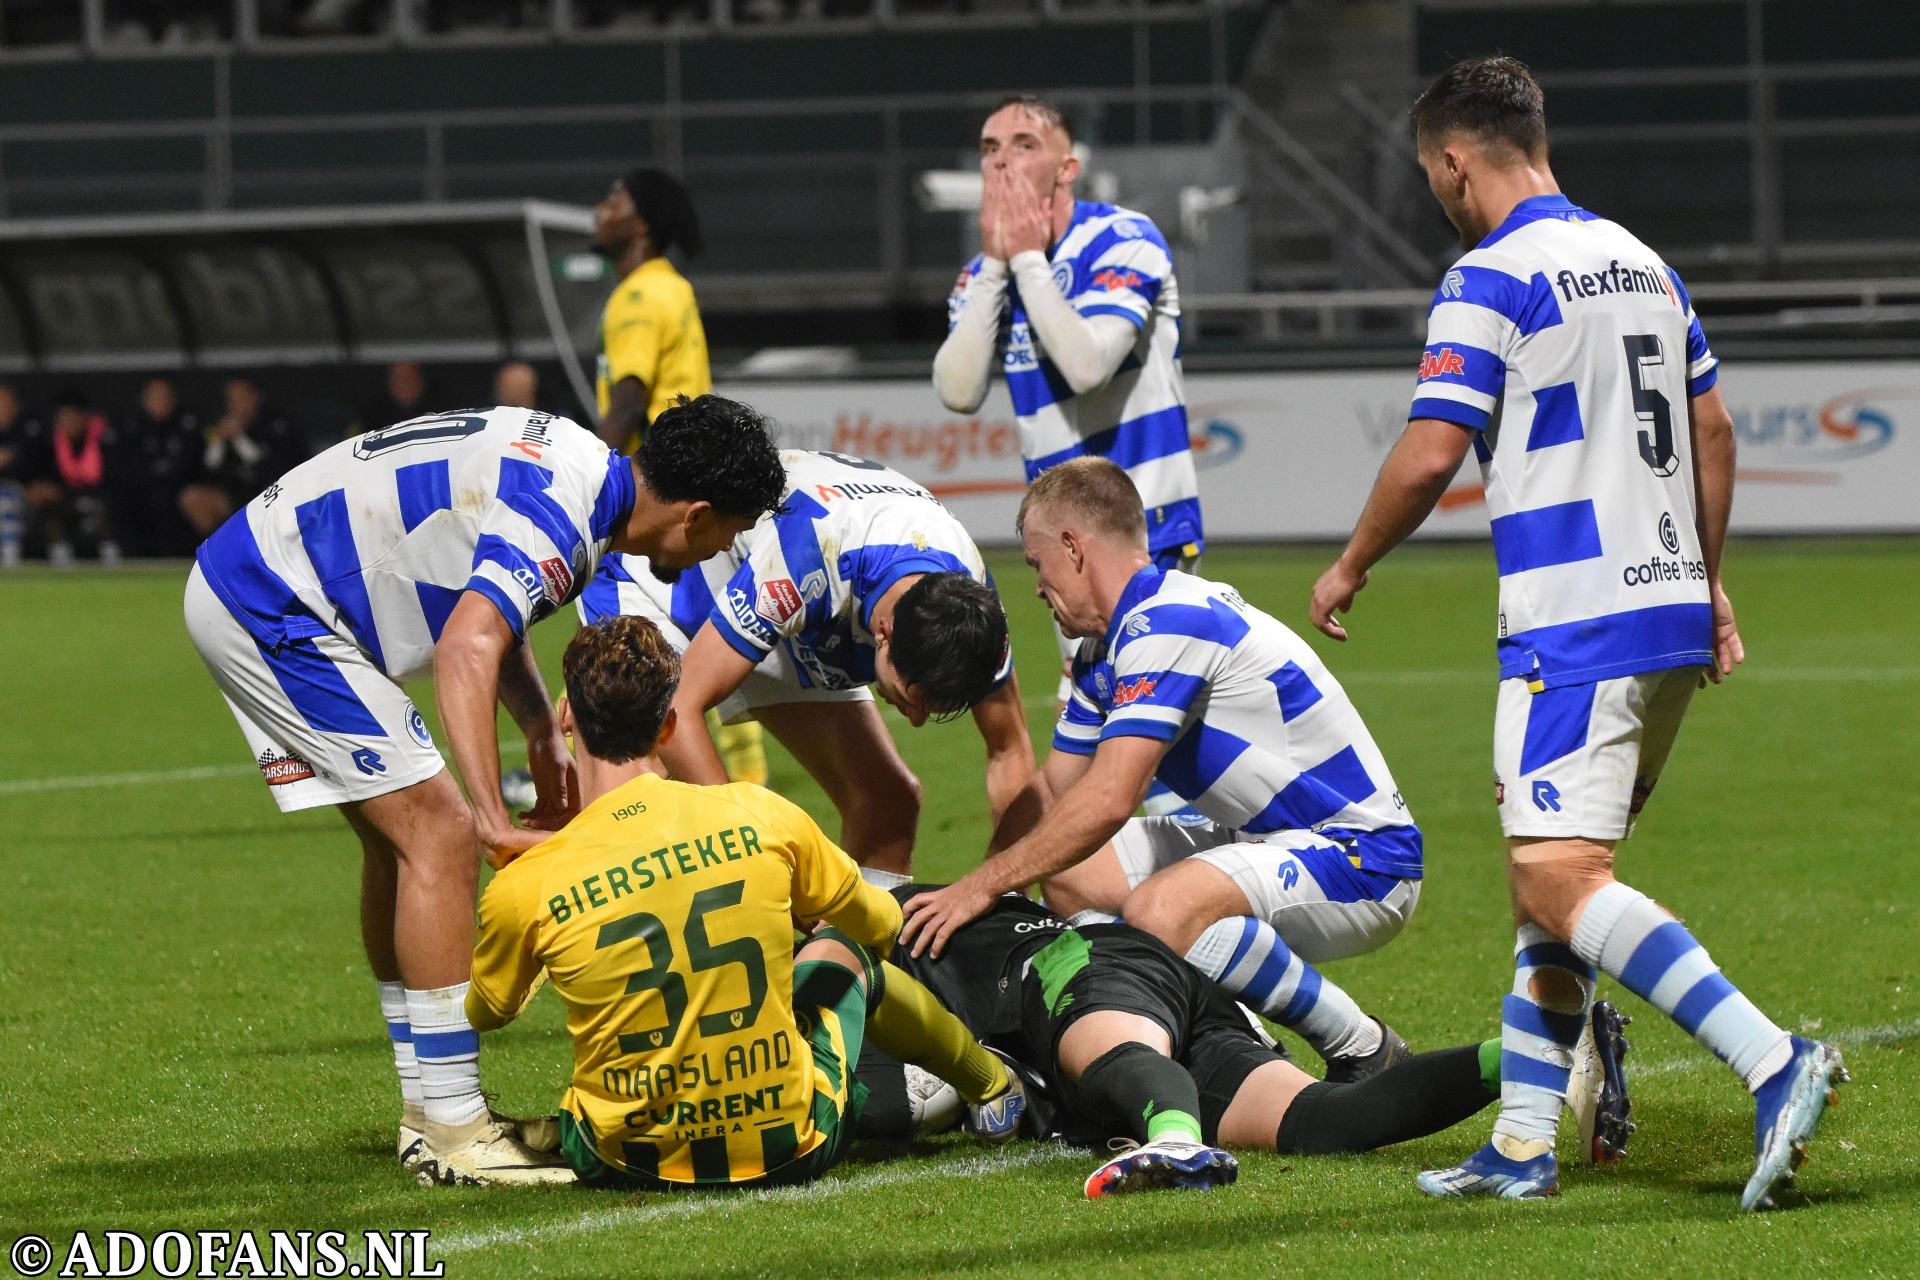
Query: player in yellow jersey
[706, 1050]
[653, 350]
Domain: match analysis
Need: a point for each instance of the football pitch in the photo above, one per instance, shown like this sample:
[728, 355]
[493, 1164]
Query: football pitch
[191, 1038]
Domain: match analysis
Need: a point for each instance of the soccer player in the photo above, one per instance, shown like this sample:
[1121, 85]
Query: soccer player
[1129, 1042]
[861, 578]
[1077, 303]
[1566, 355]
[1305, 850]
[707, 1052]
[653, 348]
[428, 548]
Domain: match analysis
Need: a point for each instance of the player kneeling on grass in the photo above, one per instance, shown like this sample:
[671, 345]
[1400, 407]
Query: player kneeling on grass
[1132, 1046]
[707, 1052]
[428, 548]
[1306, 851]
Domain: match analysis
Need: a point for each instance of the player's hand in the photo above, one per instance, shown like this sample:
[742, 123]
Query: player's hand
[931, 918]
[1334, 592]
[1026, 219]
[556, 784]
[501, 845]
[1728, 652]
[992, 243]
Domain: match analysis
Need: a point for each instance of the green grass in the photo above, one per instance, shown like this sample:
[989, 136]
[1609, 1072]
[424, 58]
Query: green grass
[191, 1040]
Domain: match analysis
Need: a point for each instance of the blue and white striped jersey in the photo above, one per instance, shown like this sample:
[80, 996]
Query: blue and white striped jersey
[807, 578]
[375, 539]
[1264, 738]
[1115, 262]
[1572, 351]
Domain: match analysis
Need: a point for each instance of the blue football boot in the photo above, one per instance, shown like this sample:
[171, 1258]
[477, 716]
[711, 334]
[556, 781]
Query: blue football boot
[1488, 1173]
[1787, 1111]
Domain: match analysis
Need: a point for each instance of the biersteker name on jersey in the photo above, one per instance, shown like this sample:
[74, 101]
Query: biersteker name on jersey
[376, 539]
[1264, 738]
[1571, 351]
[1114, 262]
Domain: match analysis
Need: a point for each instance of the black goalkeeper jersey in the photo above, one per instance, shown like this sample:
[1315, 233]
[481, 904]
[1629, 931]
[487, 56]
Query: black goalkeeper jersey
[978, 975]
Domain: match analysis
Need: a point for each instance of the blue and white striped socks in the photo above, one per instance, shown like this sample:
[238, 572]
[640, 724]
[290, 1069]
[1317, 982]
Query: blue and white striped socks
[1248, 958]
[1539, 1026]
[1652, 955]
[393, 1007]
[447, 1049]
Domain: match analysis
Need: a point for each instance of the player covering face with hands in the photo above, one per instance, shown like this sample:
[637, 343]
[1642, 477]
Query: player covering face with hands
[428, 548]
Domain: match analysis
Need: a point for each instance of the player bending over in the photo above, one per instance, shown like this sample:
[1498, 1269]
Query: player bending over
[862, 577]
[1306, 851]
[1566, 355]
[706, 1050]
[430, 547]
[1129, 1042]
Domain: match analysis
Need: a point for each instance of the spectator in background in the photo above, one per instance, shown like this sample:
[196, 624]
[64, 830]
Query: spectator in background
[66, 480]
[21, 438]
[517, 385]
[163, 446]
[653, 348]
[248, 449]
[407, 397]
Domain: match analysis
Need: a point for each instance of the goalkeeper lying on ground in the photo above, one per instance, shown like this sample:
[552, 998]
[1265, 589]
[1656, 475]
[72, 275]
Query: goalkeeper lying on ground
[706, 1050]
[1127, 1041]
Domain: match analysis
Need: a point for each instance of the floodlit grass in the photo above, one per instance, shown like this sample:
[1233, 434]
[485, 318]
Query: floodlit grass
[191, 1038]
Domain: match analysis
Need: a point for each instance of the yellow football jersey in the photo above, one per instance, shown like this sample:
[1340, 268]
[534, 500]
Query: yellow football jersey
[651, 330]
[664, 916]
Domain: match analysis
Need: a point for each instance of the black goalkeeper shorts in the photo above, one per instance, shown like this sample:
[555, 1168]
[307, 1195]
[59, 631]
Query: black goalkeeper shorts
[1116, 966]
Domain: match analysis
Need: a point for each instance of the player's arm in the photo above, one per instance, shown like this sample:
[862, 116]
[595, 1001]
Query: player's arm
[963, 367]
[626, 414]
[523, 692]
[1411, 480]
[1002, 722]
[473, 647]
[710, 670]
[827, 885]
[506, 969]
[1086, 818]
[1713, 454]
[1062, 771]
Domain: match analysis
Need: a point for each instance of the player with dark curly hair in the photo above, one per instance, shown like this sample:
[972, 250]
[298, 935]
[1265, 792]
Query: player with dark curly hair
[862, 578]
[653, 348]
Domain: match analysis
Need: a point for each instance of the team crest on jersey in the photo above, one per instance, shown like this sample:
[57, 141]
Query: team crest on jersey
[1117, 278]
[279, 771]
[1063, 277]
[1444, 363]
[417, 726]
[778, 600]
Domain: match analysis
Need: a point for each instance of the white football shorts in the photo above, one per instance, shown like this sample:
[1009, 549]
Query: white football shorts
[776, 680]
[324, 724]
[1303, 884]
[1578, 762]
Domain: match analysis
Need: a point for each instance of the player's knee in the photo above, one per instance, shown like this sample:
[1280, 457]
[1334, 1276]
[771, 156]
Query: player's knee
[1551, 883]
[1168, 916]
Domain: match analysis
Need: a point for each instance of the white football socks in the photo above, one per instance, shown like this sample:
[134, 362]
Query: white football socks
[1248, 958]
[1652, 955]
[447, 1049]
[393, 1007]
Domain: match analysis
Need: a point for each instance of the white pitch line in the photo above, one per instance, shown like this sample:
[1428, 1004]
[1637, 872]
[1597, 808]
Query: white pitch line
[1890, 1034]
[892, 1175]
[70, 782]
